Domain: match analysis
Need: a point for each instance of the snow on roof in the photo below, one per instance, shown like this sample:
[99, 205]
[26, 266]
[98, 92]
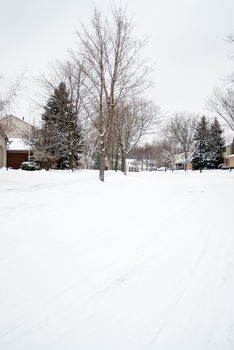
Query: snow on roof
[17, 144]
[230, 156]
[132, 161]
[13, 117]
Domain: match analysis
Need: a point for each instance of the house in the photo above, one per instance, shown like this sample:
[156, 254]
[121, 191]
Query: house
[15, 127]
[230, 161]
[228, 155]
[3, 148]
[17, 152]
[227, 150]
[133, 165]
[179, 162]
[17, 130]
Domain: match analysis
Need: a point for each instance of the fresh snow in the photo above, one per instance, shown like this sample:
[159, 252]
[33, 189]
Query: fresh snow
[17, 144]
[140, 262]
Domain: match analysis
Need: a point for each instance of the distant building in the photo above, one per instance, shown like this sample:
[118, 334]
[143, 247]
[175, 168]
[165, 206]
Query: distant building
[228, 154]
[179, 162]
[133, 165]
[227, 150]
[17, 152]
[17, 131]
[230, 161]
[15, 127]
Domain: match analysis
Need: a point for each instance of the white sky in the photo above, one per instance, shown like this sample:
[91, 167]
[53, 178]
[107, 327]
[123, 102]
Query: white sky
[186, 42]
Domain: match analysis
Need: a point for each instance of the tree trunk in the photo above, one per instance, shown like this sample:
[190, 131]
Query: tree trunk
[123, 162]
[186, 160]
[102, 167]
[102, 161]
[111, 161]
[71, 162]
[116, 162]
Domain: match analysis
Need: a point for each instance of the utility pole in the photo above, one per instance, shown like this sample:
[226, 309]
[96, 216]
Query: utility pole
[29, 134]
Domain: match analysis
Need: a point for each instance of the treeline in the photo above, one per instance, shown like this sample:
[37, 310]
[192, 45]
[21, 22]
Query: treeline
[97, 112]
[222, 100]
[199, 141]
[96, 109]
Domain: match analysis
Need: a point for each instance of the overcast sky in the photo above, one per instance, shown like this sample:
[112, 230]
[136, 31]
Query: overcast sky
[187, 43]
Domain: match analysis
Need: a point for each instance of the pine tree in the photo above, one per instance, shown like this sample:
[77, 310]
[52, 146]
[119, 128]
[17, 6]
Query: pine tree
[202, 152]
[61, 130]
[216, 142]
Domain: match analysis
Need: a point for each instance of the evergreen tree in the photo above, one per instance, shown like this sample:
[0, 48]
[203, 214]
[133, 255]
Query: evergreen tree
[61, 130]
[216, 142]
[202, 153]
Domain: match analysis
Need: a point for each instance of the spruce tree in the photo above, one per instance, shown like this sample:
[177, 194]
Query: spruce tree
[201, 154]
[62, 135]
[216, 142]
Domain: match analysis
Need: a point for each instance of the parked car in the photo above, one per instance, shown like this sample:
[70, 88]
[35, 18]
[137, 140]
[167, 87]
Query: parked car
[153, 168]
[30, 166]
[223, 166]
[162, 168]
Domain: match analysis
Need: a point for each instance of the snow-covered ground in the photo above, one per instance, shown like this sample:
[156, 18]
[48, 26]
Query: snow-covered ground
[136, 263]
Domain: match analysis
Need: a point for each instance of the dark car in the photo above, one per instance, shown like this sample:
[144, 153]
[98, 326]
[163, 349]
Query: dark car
[30, 166]
[223, 166]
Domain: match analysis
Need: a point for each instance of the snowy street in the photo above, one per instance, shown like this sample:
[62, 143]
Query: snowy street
[140, 262]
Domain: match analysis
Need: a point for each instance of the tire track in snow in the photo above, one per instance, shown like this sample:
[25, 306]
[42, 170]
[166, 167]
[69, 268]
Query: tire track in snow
[185, 286]
[98, 289]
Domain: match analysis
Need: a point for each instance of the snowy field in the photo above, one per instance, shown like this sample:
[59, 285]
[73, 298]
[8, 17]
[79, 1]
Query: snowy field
[136, 263]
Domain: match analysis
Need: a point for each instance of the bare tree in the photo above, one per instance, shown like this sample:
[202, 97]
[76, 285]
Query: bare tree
[222, 103]
[160, 154]
[134, 119]
[43, 143]
[90, 144]
[146, 154]
[7, 98]
[181, 129]
[222, 100]
[170, 145]
[109, 57]
[73, 77]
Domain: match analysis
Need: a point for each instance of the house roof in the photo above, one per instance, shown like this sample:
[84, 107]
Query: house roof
[132, 161]
[12, 117]
[14, 126]
[3, 134]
